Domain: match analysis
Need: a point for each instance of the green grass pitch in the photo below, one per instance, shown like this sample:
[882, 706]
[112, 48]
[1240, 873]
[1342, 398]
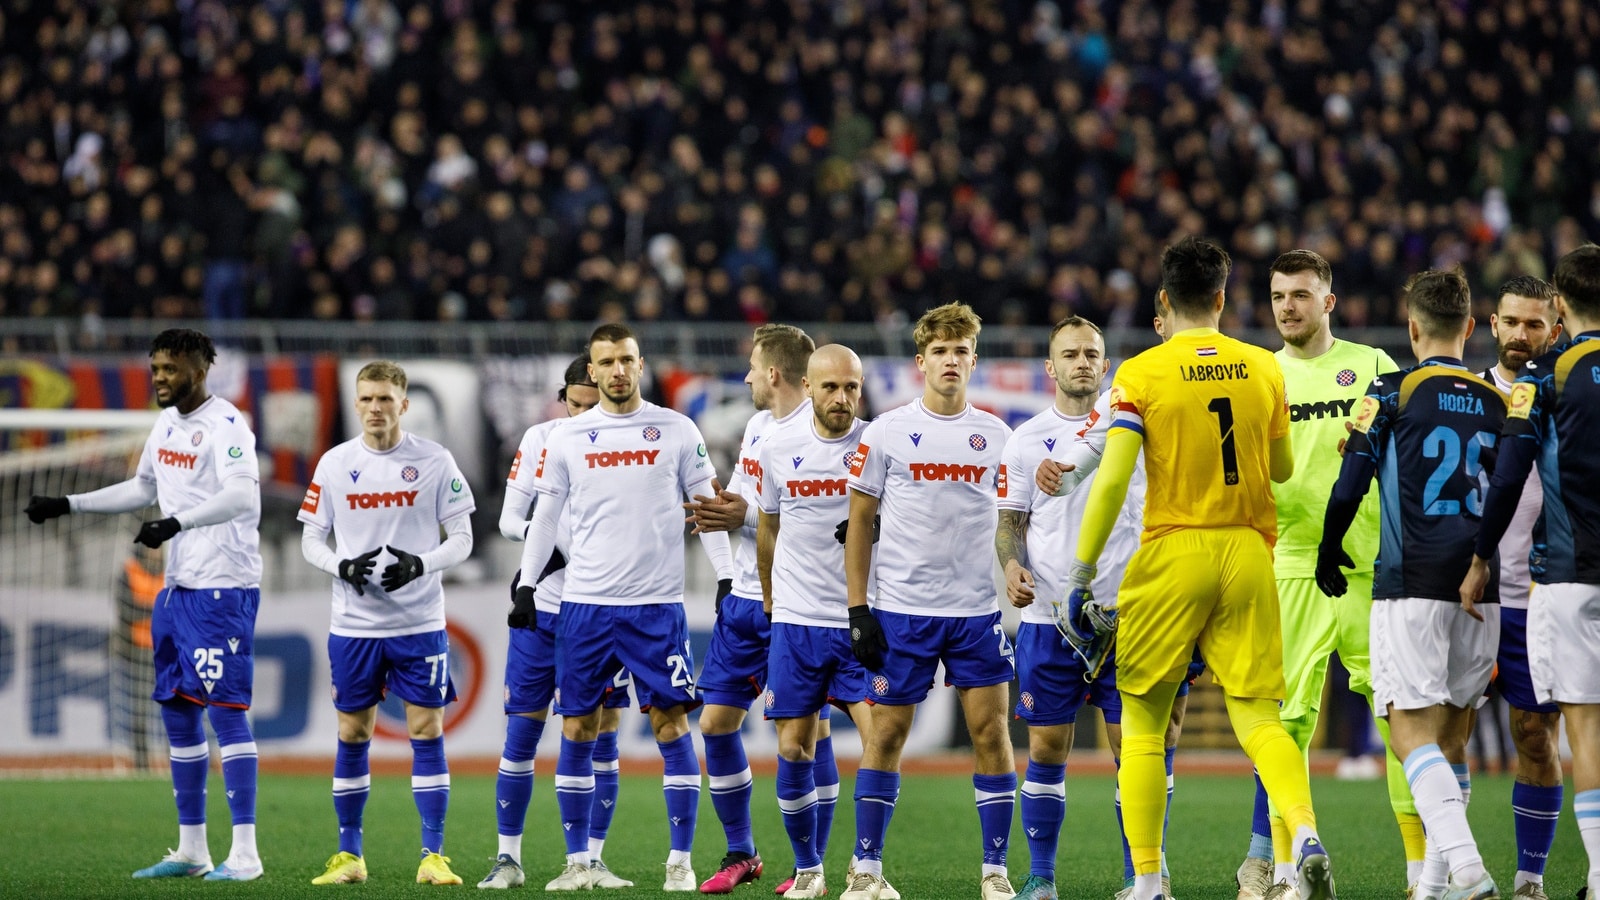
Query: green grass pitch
[82, 838]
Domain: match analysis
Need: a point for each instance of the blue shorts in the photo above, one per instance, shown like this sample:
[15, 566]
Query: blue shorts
[974, 649]
[736, 662]
[531, 669]
[1050, 678]
[594, 642]
[1512, 677]
[415, 666]
[811, 666]
[204, 643]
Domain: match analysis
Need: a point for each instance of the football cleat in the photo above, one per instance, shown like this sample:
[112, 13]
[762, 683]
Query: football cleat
[807, 886]
[1037, 888]
[784, 885]
[231, 871]
[505, 874]
[1532, 890]
[604, 877]
[994, 886]
[679, 879]
[435, 869]
[175, 865]
[736, 869]
[886, 890]
[343, 868]
[863, 886]
[577, 876]
[1484, 889]
[1253, 878]
[1314, 872]
[1279, 891]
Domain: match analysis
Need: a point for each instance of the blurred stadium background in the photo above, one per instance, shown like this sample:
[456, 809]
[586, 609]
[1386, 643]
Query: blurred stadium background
[468, 186]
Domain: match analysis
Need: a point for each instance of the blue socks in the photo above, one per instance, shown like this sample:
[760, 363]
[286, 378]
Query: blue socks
[731, 785]
[996, 796]
[430, 788]
[238, 749]
[190, 759]
[575, 792]
[352, 780]
[1535, 812]
[680, 782]
[826, 776]
[798, 801]
[605, 787]
[1044, 807]
[513, 786]
[1261, 825]
[876, 793]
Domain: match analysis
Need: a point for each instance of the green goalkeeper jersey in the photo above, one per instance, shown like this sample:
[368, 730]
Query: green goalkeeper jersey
[1323, 394]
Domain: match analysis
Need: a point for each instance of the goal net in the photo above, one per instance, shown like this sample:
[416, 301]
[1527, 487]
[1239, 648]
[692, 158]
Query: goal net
[75, 599]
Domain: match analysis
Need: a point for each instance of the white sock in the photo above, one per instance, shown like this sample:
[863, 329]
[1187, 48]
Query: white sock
[678, 858]
[578, 859]
[993, 870]
[1586, 805]
[1413, 871]
[511, 845]
[1147, 887]
[1283, 872]
[192, 843]
[244, 845]
[1435, 874]
[596, 845]
[872, 866]
[1439, 801]
[1526, 878]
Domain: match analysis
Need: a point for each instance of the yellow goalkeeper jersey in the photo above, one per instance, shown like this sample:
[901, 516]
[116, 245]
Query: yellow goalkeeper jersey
[1209, 407]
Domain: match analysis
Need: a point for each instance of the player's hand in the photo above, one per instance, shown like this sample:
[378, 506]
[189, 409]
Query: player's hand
[1472, 586]
[405, 569]
[154, 534]
[867, 642]
[1048, 476]
[766, 607]
[42, 509]
[1330, 578]
[1349, 428]
[724, 588]
[842, 530]
[523, 614]
[1019, 585]
[723, 511]
[355, 571]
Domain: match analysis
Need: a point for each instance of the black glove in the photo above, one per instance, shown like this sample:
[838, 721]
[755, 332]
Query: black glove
[724, 588]
[843, 530]
[154, 534]
[356, 570]
[1329, 577]
[43, 509]
[523, 614]
[866, 638]
[405, 569]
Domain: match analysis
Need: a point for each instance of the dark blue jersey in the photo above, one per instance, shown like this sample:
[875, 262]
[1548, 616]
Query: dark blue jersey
[1429, 433]
[1555, 418]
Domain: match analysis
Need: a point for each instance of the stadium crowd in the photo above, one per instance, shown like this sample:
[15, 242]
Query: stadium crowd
[762, 160]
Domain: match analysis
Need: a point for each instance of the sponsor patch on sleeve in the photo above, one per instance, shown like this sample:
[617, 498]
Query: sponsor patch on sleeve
[1522, 394]
[1366, 413]
[313, 499]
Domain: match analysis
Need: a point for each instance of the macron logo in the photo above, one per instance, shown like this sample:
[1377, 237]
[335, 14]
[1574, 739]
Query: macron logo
[175, 459]
[947, 472]
[384, 499]
[608, 458]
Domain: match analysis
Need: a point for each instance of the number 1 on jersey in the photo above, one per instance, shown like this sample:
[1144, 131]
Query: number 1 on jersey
[1223, 407]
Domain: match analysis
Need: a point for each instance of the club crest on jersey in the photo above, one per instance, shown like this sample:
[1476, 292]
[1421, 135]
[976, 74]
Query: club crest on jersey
[880, 685]
[977, 442]
[916, 439]
[767, 699]
[1050, 444]
[197, 437]
[593, 435]
[652, 433]
[1205, 351]
[1027, 700]
[849, 459]
[1346, 377]
[410, 473]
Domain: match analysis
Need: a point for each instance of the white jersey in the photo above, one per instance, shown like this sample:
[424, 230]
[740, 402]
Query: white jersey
[188, 457]
[372, 499]
[936, 479]
[1053, 522]
[521, 491]
[623, 479]
[804, 479]
[746, 482]
[1517, 545]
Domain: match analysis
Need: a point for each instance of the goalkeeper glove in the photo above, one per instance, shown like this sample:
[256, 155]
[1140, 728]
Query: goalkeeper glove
[1329, 577]
[1087, 627]
[43, 509]
[355, 571]
[867, 642]
[405, 569]
[523, 614]
[154, 534]
[843, 530]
